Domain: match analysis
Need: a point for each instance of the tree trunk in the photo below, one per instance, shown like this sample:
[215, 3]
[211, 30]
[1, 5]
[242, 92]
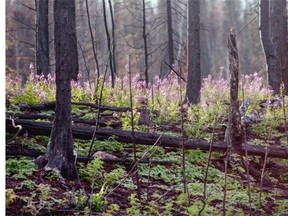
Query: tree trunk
[274, 77]
[170, 33]
[113, 37]
[234, 135]
[145, 43]
[193, 63]
[108, 44]
[86, 133]
[60, 148]
[279, 37]
[42, 38]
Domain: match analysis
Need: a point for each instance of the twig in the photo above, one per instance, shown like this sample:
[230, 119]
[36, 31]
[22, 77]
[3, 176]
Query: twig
[15, 126]
[133, 134]
[135, 164]
[246, 161]
[97, 119]
[262, 177]
[185, 187]
[174, 72]
[207, 168]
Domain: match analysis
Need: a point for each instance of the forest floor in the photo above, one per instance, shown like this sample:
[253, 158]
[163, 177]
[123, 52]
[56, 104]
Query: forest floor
[46, 193]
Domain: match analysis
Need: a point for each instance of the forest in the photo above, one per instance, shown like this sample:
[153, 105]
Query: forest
[146, 107]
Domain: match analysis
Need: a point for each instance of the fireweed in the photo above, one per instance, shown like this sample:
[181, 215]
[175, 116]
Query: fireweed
[163, 96]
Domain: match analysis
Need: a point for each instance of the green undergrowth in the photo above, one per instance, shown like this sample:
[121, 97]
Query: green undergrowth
[104, 183]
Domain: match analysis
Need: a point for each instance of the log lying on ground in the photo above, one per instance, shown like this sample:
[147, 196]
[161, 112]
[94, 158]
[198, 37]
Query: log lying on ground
[103, 121]
[51, 106]
[86, 132]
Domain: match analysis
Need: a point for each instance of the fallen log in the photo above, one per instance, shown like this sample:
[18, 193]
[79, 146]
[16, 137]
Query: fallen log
[86, 133]
[51, 106]
[103, 121]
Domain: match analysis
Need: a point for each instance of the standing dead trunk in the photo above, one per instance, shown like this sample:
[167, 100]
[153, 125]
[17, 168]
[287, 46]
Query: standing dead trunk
[42, 38]
[108, 44]
[144, 34]
[60, 150]
[274, 77]
[280, 37]
[113, 37]
[193, 63]
[170, 32]
[234, 130]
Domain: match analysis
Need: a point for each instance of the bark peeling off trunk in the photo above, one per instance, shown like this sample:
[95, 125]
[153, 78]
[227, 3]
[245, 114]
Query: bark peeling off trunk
[234, 135]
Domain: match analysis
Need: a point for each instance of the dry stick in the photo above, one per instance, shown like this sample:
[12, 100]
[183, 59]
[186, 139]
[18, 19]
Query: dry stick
[15, 126]
[185, 188]
[133, 134]
[93, 47]
[135, 164]
[97, 118]
[171, 68]
[227, 158]
[262, 176]
[148, 180]
[246, 161]
[207, 167]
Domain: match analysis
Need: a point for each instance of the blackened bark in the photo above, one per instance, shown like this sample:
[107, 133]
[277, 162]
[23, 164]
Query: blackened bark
[60, 149]
[144, 35]
[170, 32]
[274, 76]
[113, 37]
[42, 38]
[234, 135]
[279, 37]
[86, 133]
[108, 44]
[193, 64]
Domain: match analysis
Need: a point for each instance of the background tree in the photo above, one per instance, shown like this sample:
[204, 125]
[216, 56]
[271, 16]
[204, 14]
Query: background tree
[42, 38]
[278, 10]
[60, 149]
[193, 62]
[274, 76]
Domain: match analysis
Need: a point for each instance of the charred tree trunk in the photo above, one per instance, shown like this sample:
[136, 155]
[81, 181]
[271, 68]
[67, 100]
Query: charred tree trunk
[234, 135]
[42, 38]
[144, 34]
[109, 44]
[280, 37]
[86, 133]
[274, 77]
[170, 33]
[193, 63]
[113, 37]
[94, 47]
[60, 149]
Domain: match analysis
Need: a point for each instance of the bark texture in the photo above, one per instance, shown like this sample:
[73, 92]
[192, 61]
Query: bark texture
[234, 135]
[42, 38]
[273, 70]
[279, 37]
[193, 63]
[60, 148]
[86, 132]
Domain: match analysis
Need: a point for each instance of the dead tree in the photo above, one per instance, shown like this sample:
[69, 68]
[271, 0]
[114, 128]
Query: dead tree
[42, 38]
[234, 130]
[60, 148]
